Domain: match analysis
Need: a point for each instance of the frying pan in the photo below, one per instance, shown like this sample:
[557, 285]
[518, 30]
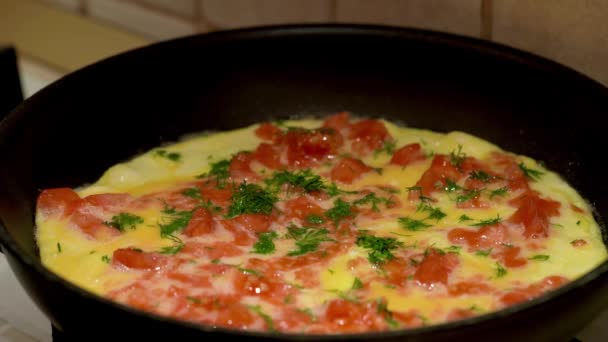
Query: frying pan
[71, 131]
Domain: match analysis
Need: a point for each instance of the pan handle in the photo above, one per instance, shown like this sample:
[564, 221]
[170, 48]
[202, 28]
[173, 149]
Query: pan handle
[10, 86]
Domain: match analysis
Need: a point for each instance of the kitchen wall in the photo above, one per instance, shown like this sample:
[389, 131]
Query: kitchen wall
[573, 32]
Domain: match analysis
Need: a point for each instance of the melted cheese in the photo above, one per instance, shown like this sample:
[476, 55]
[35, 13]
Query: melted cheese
[78, 258]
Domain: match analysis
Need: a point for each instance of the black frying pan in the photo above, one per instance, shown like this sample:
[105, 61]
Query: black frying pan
[70, 132]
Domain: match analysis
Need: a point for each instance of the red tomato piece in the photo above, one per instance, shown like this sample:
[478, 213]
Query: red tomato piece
[576, 209]
[242, 236]
[473, 203]
[398, 271]
[578, 243]
[235, 315]
[200, 224]
[292, 319]
[435, 268]
[216, 250]
[86, 218]
[469, 288]
[211, 192]
[474, 184]
[256, 223]
[368, 135]
[309, 147]
[112, 202]
[173, 199]
[271, 289]
[132, 258]
[192, 280]
[240, 167]
[470, 164]
[58, 202]
[268, 156]
[301, 207]
[435, 177]
[511, 172]
[408, 154]
[482, 238]
[533, 290]
[268, 131]
[308, 277]
[338, 121]
[510, 256]
[348, 169]
[533, 214]
[349, 316]
[221, 249]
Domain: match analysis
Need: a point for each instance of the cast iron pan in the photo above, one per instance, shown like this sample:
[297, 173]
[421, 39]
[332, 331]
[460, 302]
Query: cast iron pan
[70, 132]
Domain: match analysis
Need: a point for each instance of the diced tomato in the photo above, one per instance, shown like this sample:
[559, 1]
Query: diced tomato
[325, 253]
[132, 258]
[257, 223]
[221, 249]
[368, 135]
[112, 202]
[578, 243]
[533, 290]
[264, 267]
[268, 156]
[435, 268]
[200, 224]
[516, 179]
[533, 214]
[473, 203]
[235, 315]
[510, 256]
[273, 290]
[469, 288]
[192, 280]
[576, 209]
[58, 202]
[268, 131]
[215, 250]
[408, 154]
[242, 236]
[87, 218]
[470, 164]
[216, 195]
[338, 121]
[398, 271]
[240, 167]
[301, 207]
[348, 169]
[308, 277]
[349, 316]
[308, 147]
[482, 238]
[135, 295]
[435, 177]
[174, 199]
[292, 319]
[214, 269]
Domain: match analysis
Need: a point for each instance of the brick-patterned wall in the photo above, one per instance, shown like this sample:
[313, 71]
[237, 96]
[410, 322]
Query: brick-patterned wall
[573, 32]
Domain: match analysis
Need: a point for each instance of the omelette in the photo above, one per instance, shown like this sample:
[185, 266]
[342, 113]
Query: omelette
[345, 225]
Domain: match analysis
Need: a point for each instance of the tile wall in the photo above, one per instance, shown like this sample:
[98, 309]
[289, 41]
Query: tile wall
[573, 32]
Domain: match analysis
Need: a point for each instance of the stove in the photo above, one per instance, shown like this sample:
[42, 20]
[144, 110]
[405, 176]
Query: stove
[20, 319]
